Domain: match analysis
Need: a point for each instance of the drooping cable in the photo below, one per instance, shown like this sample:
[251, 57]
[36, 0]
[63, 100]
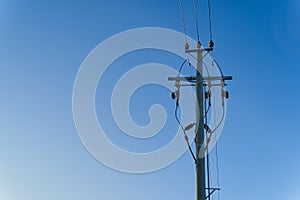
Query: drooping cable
[177, 119]
[220, 70]
[176, 115]
[196, 20]
[185, 135]
[219, 124]
[180, 68]
[222, 118]
[206, 69]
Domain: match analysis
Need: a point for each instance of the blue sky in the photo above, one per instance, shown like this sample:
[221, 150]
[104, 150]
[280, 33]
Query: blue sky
[42, 45]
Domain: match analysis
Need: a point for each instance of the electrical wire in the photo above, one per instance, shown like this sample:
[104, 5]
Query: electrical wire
[207, 71]
[205, 115]
[208, 173]
[205, 66]
[222, 119]
[177, 119]
[185, 135]
[191, 74]
[217, 169]
[216, 128]
[196, 20]
[183, 20]
[216, 150]
[207, 108]
[190, 68]
[207, 156]
[210, 21]
[176, 115]
[220, 70]
[179, 71]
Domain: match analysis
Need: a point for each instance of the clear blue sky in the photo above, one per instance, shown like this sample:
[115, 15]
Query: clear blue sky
[42, 44]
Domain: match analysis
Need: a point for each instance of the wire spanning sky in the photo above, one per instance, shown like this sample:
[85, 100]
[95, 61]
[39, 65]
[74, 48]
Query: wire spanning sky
[42, 45]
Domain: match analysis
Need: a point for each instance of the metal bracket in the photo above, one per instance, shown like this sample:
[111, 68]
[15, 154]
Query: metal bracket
[206, 78]
[211, 192]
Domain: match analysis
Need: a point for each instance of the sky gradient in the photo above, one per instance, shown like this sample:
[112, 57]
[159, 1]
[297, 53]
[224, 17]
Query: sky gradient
[42, 45]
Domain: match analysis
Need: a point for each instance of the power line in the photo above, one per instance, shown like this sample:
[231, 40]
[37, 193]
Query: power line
[207, 156]
[211, 43]
[196, 20]
[217, 169]
[183, 130]
[182, 19]
[204, 174]
[176, 114]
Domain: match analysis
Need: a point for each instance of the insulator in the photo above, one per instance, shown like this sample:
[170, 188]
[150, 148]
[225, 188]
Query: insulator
[211, 44]
[227, 95]
[223, 96]
[206, 127]
[188, 127]
[208, 94]
[173, 95]
[198, 45]
[186, 46]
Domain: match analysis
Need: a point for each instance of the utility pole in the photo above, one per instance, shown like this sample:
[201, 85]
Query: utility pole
[203, 190]
[199, 79]
[200, 159]
[200, 154]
